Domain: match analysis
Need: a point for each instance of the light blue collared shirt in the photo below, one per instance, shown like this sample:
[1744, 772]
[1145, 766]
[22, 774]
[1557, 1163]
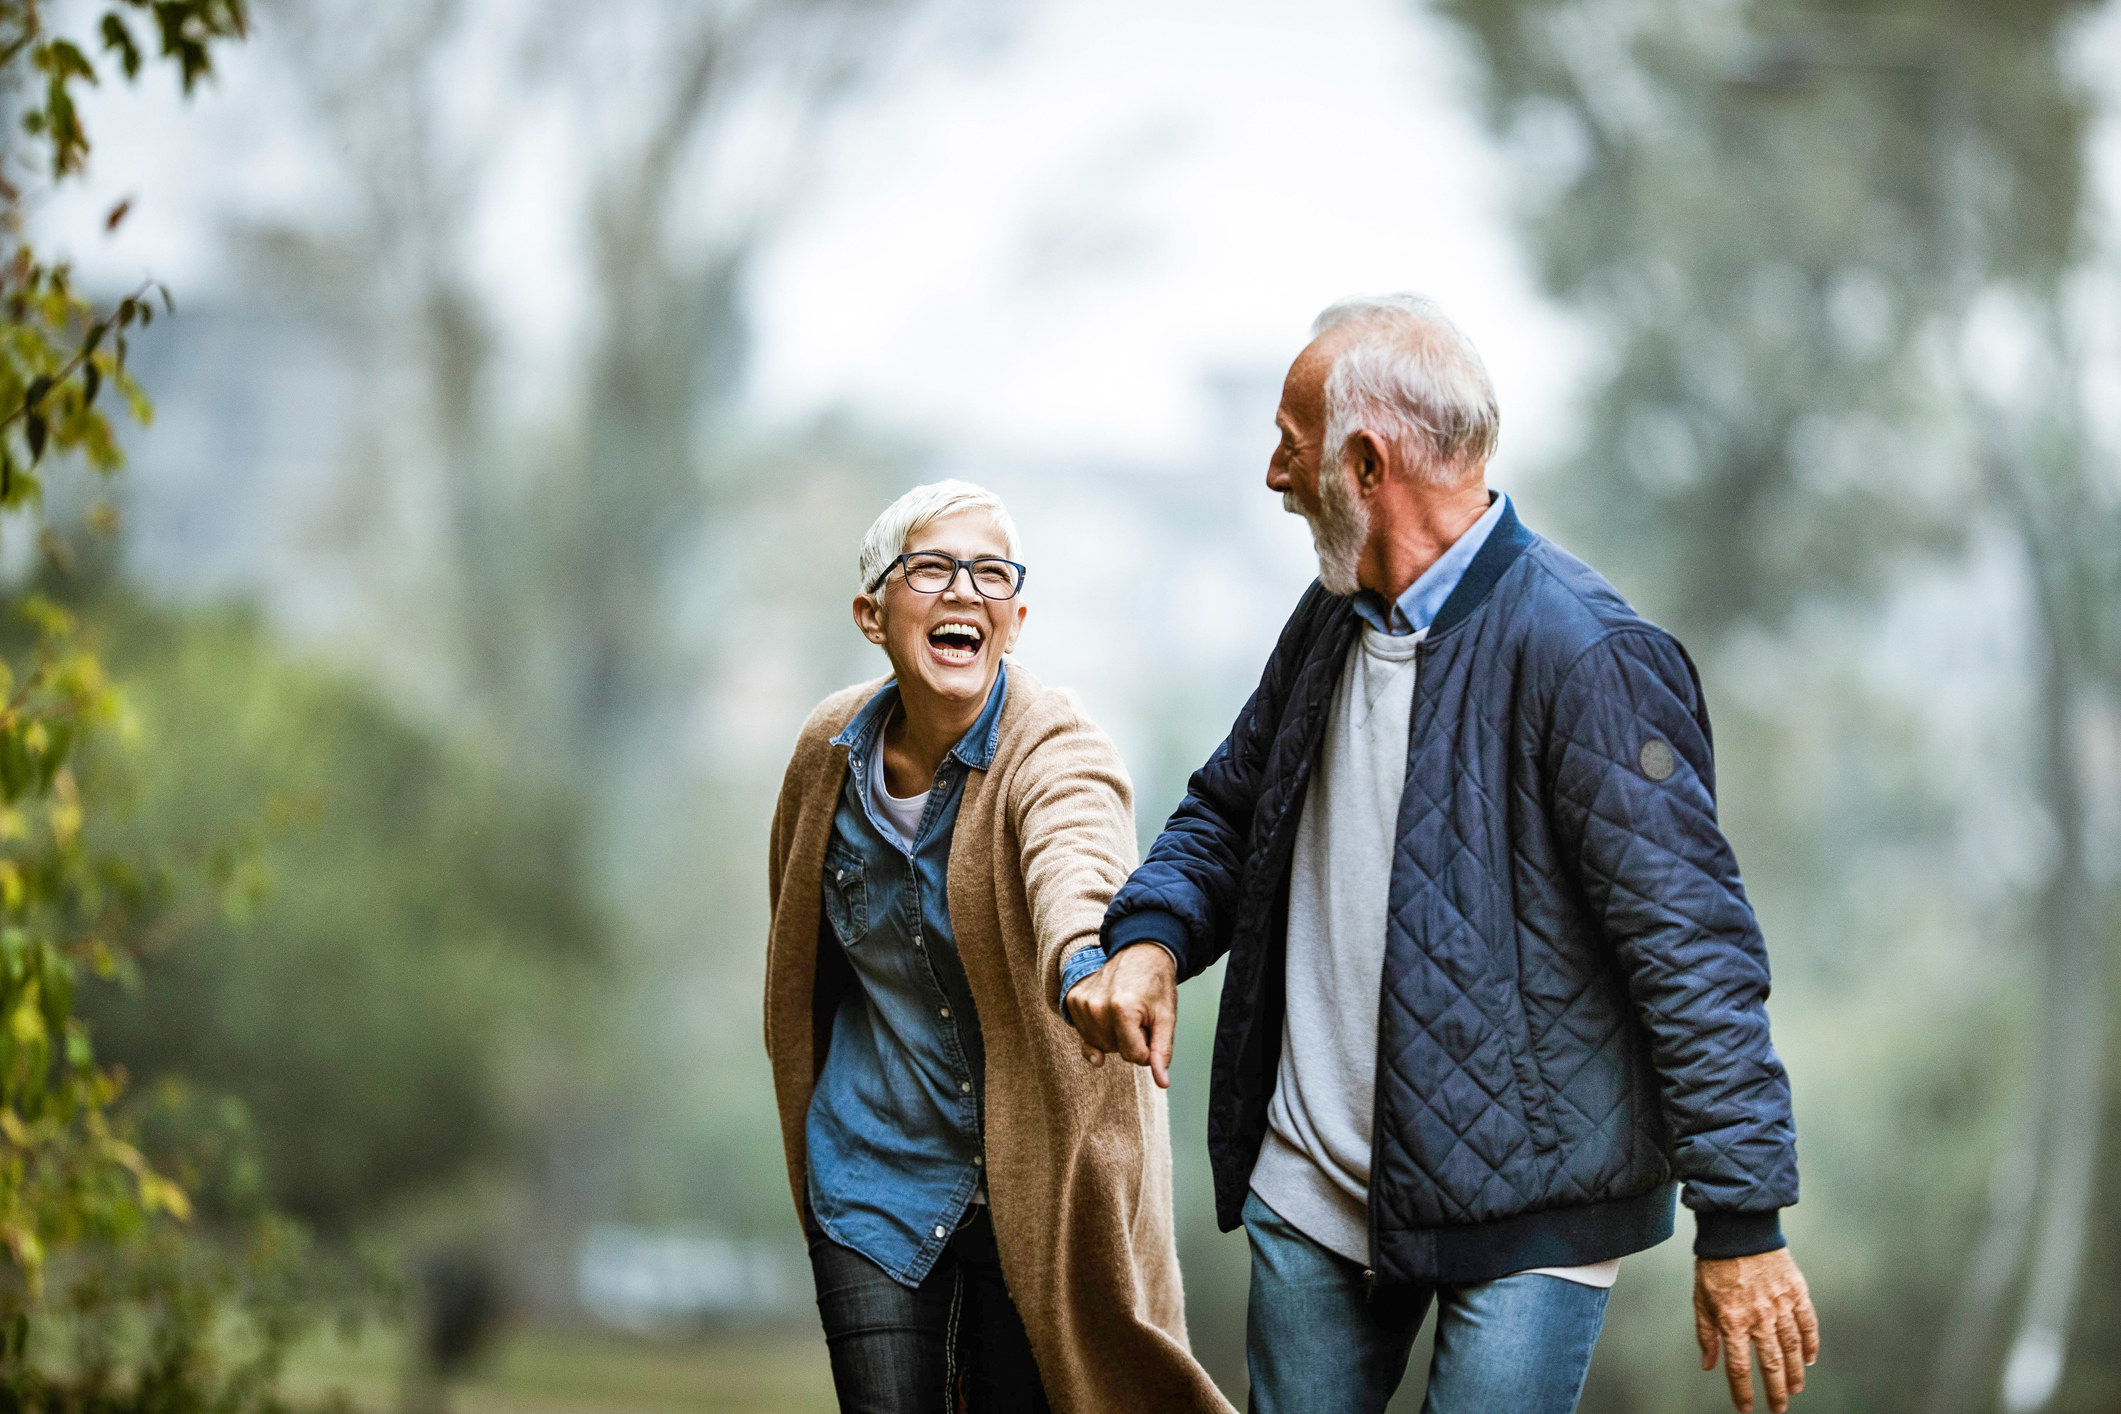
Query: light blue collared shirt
[1412, 612]
[1416, 609]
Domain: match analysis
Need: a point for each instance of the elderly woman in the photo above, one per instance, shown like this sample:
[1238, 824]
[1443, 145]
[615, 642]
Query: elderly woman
[989, 1220]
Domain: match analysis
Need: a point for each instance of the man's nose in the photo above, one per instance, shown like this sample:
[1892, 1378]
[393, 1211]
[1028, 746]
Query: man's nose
[1278, 475]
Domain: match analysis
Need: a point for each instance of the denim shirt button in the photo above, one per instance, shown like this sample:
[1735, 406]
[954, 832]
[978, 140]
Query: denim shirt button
[965, 1085]
[946, 1013]
[940, 1233]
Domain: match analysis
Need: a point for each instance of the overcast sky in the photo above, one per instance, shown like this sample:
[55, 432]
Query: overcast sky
[1043, 250]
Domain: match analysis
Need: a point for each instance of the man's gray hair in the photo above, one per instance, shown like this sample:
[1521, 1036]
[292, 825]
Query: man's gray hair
[886, 539]
[1409, 375]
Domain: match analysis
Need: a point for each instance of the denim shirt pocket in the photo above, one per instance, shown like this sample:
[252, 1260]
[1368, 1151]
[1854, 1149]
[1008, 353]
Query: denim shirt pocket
[846, 899]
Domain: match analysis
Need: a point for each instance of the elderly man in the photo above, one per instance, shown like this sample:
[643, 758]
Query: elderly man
[1494, 984]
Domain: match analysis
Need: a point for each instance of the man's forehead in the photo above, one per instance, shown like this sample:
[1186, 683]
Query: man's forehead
[1305, 387]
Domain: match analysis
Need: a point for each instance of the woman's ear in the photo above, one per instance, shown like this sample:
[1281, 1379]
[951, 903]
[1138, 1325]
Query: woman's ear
[1016, 627]
[869, 618]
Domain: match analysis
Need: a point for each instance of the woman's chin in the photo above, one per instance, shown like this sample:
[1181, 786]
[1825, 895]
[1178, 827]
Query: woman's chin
[952, 682]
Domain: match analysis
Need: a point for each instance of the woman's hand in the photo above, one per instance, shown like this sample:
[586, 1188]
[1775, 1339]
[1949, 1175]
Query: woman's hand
[1129, 1008]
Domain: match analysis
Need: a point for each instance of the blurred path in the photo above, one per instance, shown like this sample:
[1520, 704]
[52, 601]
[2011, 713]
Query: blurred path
[565, 1372]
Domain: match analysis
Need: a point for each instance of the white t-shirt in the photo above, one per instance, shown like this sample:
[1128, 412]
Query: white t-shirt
[1314, 1168]
[902, 817]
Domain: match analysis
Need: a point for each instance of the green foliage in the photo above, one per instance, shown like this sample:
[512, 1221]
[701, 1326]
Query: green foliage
[184, 31]
[408, 919]
[112, 1296]
[67, 1172]
[57, 352]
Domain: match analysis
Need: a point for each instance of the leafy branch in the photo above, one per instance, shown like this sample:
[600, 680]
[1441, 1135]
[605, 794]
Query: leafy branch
[134, 307]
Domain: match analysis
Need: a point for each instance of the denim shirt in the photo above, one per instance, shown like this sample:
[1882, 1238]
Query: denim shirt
[1412, 612]
[894, 1126]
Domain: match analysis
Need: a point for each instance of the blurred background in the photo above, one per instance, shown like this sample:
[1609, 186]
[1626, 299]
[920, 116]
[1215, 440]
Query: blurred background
[535, 368]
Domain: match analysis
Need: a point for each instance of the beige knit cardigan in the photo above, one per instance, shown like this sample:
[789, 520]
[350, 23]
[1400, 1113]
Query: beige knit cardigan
[1078, 1159]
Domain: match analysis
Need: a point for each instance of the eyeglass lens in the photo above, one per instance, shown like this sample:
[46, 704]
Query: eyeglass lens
[931, 574]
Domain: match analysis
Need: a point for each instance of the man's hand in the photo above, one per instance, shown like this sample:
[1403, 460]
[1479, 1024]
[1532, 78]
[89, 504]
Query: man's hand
[1129, 1007]
[1741, 1302]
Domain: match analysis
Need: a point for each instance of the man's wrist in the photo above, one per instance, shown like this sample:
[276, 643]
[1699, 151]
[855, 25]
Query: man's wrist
[1148, 925]
[1719, 1235]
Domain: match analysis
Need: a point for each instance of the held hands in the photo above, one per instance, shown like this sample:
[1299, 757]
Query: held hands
[1129, 1008]
[1741, 1302]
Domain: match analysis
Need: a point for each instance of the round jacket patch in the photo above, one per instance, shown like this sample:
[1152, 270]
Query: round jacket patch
[1657, 760]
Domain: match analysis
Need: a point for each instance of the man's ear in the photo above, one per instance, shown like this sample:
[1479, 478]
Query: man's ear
[1367, 460]
[869, 618]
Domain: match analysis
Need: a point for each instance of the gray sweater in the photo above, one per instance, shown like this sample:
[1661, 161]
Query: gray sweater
[1314, 1168]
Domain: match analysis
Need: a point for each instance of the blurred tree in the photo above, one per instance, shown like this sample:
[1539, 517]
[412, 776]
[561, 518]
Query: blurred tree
[1804, 236]
[610, 537]
[93, 1186]
[415, 923]
[699, 129]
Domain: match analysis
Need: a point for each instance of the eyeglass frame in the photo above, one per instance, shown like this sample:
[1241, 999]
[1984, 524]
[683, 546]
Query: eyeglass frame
[1023, 573]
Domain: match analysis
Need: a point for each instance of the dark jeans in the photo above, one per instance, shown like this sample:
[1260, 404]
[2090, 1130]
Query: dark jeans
[952, 1344]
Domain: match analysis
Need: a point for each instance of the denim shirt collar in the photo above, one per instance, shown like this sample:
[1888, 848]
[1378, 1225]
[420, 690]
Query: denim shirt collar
[975, 748]
[1425, 597]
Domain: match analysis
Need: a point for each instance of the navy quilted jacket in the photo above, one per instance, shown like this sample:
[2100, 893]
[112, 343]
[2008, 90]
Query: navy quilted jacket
[1573, 1007]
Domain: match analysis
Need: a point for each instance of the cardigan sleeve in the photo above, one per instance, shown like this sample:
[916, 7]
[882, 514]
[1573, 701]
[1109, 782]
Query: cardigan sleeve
[1073, 814]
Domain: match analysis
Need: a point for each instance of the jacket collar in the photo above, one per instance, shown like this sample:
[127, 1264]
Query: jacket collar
[975, 748]
[1509, 539]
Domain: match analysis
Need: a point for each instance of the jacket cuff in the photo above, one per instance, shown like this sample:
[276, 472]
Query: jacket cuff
[1720, 1235]
[1149, 925]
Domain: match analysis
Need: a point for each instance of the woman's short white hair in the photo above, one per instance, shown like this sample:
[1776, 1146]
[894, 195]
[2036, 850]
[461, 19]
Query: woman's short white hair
[886, 539]
[1408, 374]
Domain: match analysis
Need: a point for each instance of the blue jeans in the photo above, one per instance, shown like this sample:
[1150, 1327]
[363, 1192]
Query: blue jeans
[955, 1342]
[1317, 1343]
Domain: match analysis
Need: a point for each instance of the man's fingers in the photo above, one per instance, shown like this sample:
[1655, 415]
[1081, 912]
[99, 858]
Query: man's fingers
[1704, 1332]
[1808, 1327]
[1092, 1027]
[1773, 1374]
[1792, 1351]
[1738, 1366]
[1133, 1034]
[1162, 1030]
[1092, 1055]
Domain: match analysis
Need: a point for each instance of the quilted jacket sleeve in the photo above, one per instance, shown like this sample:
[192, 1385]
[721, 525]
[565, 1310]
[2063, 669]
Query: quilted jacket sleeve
[1184, 895]
[1633, 801]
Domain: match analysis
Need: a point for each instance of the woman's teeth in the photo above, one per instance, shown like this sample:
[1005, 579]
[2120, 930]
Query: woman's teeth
[957, 642]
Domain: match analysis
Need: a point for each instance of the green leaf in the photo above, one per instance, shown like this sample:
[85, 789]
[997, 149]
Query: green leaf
[91, 383]
[67, 61]
[117, 36]
[34, 429]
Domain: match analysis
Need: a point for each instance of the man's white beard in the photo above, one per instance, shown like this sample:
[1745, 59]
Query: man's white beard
[1339, 530]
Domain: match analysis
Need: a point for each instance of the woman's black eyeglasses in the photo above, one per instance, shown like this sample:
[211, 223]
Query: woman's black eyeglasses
[931, 572]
